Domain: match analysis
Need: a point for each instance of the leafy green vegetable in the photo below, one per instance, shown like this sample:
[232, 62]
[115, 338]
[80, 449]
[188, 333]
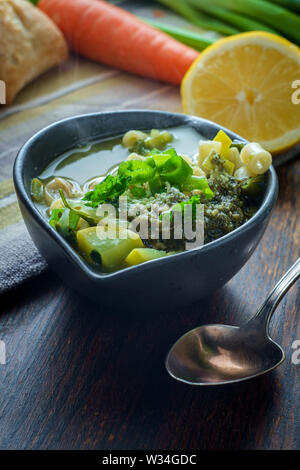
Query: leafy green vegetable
[108, 190]
[175, 170]
[137, 171]
[156, 169]
[137, 191]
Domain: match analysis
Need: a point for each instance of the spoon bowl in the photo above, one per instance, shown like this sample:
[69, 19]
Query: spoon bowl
[219, 354]
[223, 354]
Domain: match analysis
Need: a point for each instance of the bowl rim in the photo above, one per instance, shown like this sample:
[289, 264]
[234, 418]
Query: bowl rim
[18, 177]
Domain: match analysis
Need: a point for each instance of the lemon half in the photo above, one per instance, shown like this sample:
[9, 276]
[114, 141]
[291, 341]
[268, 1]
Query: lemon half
[247, 83]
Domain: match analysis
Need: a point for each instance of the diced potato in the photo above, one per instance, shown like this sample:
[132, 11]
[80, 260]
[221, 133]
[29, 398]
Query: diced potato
[141, 255]
[107, 252]
[225, 141]
[233, 155]
[205, 147]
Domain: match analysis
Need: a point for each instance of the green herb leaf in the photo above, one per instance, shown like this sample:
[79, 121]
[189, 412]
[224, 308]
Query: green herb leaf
[194, 201]
[108, 190]
[138, 191]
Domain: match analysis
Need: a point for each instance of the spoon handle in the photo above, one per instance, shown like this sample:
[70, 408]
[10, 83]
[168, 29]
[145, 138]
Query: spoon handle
[265, 312]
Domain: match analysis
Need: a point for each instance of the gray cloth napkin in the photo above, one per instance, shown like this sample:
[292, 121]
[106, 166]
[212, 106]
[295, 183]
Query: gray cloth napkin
[19, 258]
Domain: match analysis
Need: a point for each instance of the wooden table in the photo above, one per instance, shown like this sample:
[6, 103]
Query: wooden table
[79, 377]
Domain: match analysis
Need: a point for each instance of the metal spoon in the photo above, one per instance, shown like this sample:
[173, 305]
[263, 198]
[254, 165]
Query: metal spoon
[222, 354]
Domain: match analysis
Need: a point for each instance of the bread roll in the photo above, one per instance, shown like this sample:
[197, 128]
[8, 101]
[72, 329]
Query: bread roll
[30, 44]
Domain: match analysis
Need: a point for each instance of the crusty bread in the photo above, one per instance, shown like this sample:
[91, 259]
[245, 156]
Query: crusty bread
[30, 44]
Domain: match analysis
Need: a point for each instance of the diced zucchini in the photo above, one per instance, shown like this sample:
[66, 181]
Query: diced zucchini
[107, 252]
[37, 190]
[140, 255]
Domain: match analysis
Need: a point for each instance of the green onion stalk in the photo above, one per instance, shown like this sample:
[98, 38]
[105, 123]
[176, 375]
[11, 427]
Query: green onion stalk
[289, 4]
[190, 38]
[275, 16]
[241, 22]
[198, 19]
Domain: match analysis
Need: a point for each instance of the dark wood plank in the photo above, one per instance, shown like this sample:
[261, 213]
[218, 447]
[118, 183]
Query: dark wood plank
[79, 377]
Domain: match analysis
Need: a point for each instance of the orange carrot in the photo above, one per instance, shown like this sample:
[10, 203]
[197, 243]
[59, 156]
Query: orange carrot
[112, 36]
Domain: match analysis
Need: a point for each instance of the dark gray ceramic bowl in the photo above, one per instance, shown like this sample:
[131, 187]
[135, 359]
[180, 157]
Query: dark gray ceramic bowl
[166, 282]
